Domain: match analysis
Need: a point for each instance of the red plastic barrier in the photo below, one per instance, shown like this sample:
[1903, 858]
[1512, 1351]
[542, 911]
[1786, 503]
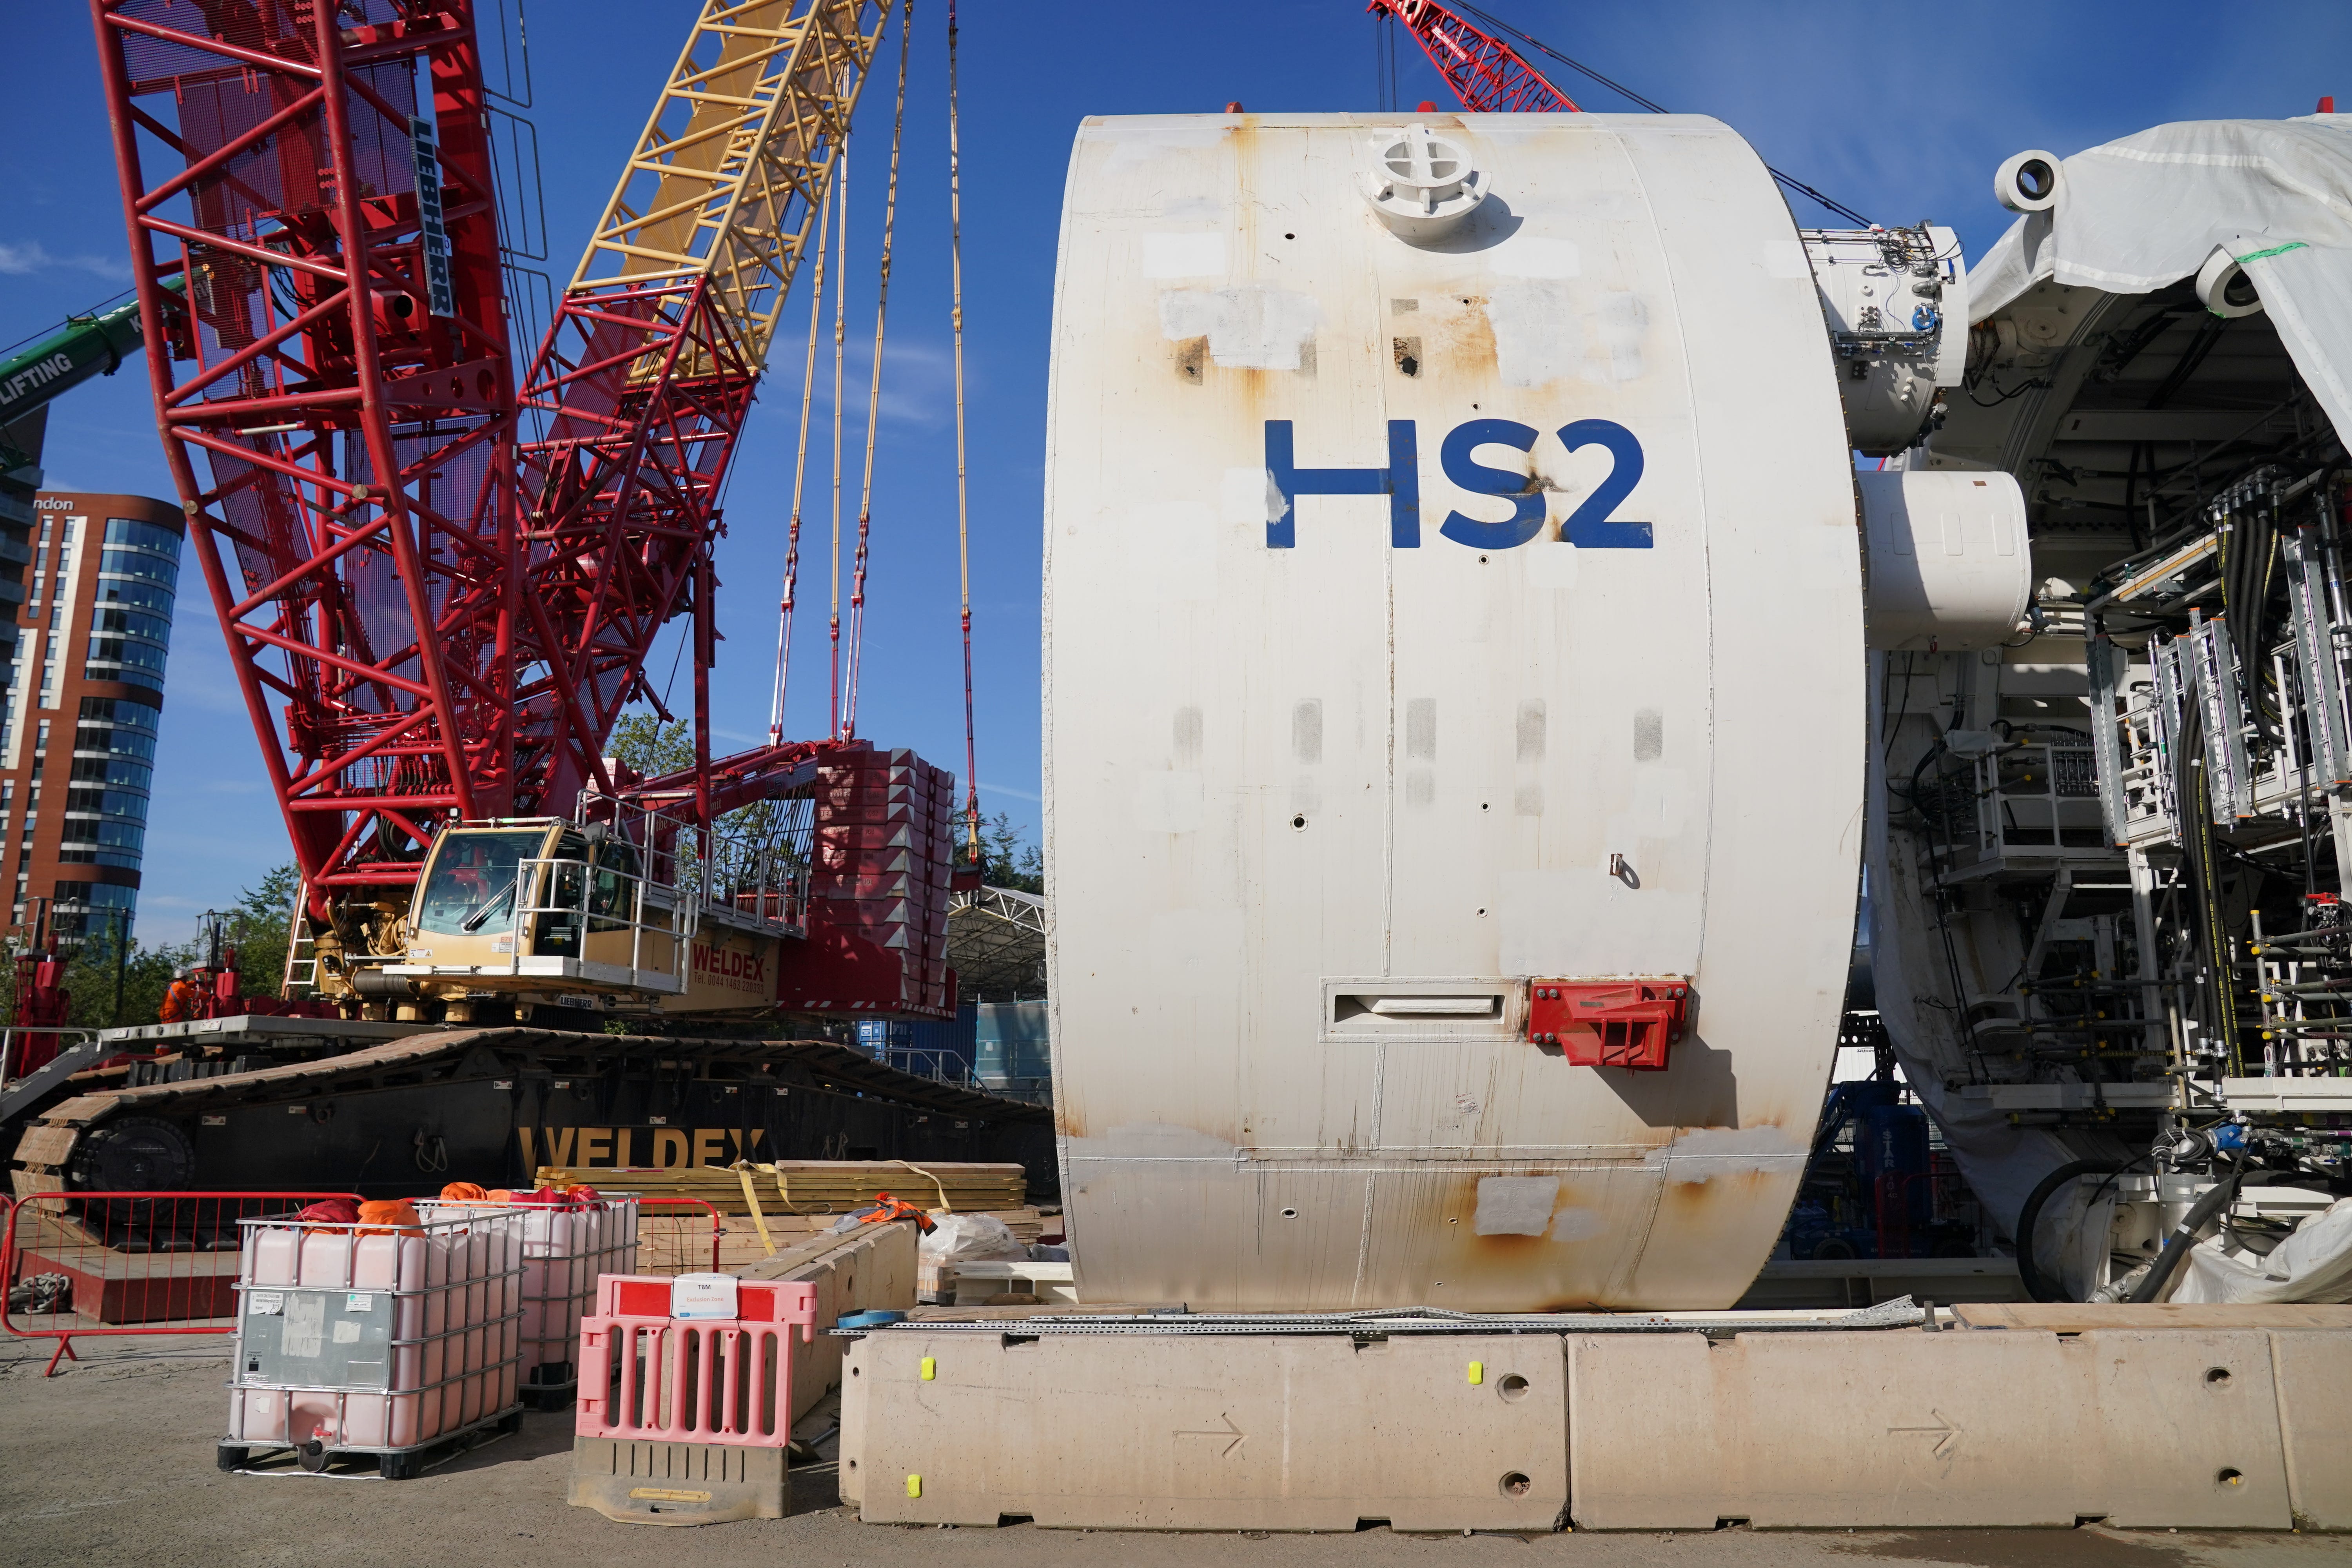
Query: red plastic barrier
[646, 1375]
[92, 1265]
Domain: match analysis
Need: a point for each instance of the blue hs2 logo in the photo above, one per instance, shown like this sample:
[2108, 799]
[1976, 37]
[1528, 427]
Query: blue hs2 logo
[1590, 526]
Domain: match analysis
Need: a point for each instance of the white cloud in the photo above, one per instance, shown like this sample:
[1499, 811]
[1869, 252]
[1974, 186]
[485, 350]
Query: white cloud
[918, 384]
[20, 261]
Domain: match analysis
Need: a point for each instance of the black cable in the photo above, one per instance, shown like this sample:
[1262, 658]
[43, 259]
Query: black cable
[1937, 894]
[2131, 492]
[1901, 713]
[2005, 397]
[1499, 26]
[2208, 335]
[1834, 205]
[2193, 821]
[2184, 1234]
[2037, 1287]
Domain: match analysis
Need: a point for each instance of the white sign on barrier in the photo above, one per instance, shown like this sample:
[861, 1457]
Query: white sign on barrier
[702, 1296]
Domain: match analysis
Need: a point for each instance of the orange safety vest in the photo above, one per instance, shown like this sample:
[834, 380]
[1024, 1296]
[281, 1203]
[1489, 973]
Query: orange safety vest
[180, 1002]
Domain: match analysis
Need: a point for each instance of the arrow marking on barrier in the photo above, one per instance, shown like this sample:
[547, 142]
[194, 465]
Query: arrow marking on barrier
[1949, 1433]
[1231, 1431]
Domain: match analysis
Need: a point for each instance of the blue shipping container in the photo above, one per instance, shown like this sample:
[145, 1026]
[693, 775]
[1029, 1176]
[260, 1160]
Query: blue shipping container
[932, 1047]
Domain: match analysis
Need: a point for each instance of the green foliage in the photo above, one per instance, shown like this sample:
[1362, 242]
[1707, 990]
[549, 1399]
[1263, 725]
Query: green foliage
[256, 924]
[146, 974]
[641, 740]
[1007, 860]
[768, 836]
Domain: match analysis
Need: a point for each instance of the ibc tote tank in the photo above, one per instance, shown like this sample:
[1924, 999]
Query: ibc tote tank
[1452, 583]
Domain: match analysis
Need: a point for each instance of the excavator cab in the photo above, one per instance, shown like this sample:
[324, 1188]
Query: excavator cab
[542, 909]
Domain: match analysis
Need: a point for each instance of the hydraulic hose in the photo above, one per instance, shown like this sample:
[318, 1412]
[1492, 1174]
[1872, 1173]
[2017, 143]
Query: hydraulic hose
[2184, 1236]
[2040, 1288]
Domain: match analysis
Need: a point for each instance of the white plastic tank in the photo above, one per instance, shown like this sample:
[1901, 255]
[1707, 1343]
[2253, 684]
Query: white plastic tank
[441, 1355]
[1434, 608]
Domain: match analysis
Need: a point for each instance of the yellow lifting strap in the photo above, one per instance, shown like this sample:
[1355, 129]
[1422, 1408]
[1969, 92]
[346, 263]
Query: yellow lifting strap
[745, 1169]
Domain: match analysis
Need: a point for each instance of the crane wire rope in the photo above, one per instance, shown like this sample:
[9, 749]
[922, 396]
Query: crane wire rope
[1790, 181]
[800, 479]
[849, 726]
[840, 340]
[963, 509]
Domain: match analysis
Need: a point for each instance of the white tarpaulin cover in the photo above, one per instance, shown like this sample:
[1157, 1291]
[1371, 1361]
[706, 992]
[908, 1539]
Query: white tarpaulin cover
[2137, 214]
[2315, 1264]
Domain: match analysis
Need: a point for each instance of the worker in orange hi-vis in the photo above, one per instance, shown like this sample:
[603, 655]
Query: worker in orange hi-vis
[182, 1002]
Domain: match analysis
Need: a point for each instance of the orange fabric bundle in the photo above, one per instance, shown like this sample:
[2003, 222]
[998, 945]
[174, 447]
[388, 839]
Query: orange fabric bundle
[464, 1193]
[499, 1195]
[389, 1216]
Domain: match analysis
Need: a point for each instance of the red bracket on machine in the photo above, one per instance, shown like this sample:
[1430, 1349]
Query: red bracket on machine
[1609, 1023]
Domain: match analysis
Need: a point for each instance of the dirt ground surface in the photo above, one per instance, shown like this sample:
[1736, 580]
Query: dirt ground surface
[113, 1461]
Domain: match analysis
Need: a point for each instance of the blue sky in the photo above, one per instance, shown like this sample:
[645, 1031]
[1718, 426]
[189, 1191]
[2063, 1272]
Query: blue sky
[1900, 111]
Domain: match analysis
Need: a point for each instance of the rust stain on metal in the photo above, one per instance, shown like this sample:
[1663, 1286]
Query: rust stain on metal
[1462, 339]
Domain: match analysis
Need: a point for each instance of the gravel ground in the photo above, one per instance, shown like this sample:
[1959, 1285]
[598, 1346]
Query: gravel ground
[112, 1461]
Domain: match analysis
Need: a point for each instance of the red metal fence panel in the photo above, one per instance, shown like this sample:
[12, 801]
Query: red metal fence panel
[671, 1243]
[89, 1265]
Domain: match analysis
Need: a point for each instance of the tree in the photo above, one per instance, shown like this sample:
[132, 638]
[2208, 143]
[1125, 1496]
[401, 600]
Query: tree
[753, 847]
[258, 924]
[641, 741]
[145, 973]
[1006, 860]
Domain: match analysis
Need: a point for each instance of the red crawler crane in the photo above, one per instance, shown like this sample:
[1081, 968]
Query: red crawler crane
[1491, 76]
[434, 614]
[1486, 73]
[352, 397]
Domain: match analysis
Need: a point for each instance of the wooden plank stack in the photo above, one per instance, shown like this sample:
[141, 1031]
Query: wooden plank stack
[678, 1240]
[810, 1187]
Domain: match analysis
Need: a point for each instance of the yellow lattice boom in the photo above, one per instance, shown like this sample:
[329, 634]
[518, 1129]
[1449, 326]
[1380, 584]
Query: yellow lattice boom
[727, 179]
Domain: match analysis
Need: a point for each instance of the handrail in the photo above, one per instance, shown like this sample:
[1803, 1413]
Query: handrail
[542, 875]
[9, 1039]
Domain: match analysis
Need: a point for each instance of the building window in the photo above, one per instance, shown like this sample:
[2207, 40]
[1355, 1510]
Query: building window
[124, 771]
[89, 908]
[139, 564]
[117, 743]
[129, 620]
[128, 804]
[139, 595]
[140, 535]
[121, 711]
[110, 657]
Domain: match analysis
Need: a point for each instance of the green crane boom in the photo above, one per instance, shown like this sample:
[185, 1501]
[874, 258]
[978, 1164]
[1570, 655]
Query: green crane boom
[85, 346]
